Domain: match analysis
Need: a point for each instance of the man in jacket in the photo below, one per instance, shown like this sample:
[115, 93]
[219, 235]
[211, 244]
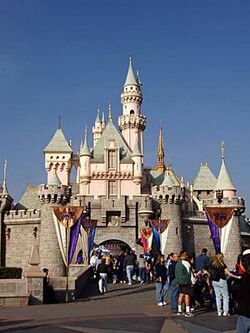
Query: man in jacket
[183, 273]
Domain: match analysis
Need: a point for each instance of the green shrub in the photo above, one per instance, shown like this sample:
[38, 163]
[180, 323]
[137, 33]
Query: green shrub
[10, 273]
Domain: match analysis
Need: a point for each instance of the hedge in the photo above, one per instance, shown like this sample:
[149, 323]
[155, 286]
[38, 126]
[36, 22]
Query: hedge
[10, 273]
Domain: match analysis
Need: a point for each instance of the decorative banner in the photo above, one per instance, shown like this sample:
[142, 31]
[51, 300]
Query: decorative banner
[215, 234]
[156, 247]
[219, 215]
[224, 235]
[146, 239]
[68, 215]
[160, 225]
[90, 227]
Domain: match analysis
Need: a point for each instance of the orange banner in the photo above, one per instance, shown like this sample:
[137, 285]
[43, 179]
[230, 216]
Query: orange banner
[219, 215]
[68, 215]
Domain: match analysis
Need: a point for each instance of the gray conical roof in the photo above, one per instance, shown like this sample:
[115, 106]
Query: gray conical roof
[58, 143]
[98, 120]
[136, 150]
[84, 150]
[169, 179]
[130, 79]
[53, 178]
[205, 179]
[224, 182]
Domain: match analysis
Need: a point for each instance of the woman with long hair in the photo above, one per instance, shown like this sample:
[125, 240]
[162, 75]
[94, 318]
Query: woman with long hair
[161, 284]
[218, 271]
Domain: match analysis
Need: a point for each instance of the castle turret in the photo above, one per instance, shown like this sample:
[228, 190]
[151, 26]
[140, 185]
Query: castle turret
[84, 166]
[137, 158]
[170, 197]
[132, 123]
[97, 128]
[58, 155]
[224, 183]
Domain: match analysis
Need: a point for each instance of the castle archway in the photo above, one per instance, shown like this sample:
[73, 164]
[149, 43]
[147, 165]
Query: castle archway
[115, 246]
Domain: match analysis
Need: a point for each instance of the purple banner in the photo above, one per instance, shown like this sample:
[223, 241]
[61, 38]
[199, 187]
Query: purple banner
[74, 234]
[215, 234]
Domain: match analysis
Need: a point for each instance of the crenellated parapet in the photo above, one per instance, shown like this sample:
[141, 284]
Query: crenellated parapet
[13, 216]
[132, 121]
[54, 194]
[170, 195]
[237, 203]
[131, 95]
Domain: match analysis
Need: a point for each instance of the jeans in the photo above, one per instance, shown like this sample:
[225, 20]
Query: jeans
[142, 273]
[221, 294]
[102, 283]
[161, 291]
[243, 325]
[174, 295]
[129, 271]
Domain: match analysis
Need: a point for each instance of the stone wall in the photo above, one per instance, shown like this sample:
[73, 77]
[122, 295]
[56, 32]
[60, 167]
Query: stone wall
[20, 237]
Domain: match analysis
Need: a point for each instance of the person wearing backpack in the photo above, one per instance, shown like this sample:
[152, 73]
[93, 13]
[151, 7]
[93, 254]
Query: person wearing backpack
[218, 271]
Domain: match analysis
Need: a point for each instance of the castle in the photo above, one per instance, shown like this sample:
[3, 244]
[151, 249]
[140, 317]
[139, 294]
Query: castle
[114, 188]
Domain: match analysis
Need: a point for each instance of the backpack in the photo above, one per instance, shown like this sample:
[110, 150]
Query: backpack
[214, 273]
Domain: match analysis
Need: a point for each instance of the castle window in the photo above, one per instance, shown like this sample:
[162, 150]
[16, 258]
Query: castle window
[111, 159]
[51, 157]
[111, 187]
[132, 112]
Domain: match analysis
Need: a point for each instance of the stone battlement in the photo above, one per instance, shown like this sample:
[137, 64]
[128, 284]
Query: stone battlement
[171, 195]
[59, 194]
[234, 202]
[22, 214]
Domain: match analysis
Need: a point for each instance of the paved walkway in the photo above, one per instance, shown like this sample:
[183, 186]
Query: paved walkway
[123, 309]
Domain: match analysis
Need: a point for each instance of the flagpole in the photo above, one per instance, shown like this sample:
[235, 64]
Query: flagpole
[67, 265]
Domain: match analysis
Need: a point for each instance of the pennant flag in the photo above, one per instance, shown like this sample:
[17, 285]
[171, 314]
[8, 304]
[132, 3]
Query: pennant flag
[146, 239]
[215, 234]
[219, 215]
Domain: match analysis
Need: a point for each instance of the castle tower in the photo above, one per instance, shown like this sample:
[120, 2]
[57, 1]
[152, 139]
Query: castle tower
[58, 155]
[137, 158]
[170, 197]
[84, 166]
[132, 123]
[224, 182]
[97, 128]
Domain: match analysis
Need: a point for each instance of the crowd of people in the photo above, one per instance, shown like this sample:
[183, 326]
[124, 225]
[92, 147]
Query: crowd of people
[187, 282]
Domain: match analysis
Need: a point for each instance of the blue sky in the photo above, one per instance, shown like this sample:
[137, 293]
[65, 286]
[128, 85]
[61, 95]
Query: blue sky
[66, 57]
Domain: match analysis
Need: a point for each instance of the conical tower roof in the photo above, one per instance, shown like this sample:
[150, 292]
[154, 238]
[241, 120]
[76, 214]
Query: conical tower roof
[205, 179]
[169, 179]
[98, 119]
[58, 143]
[130, 79]
[136, 150]
[84, 151]
[53, 178]
[224, 181]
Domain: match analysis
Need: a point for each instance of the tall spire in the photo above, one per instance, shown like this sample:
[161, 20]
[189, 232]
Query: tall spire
[222, 150]
[5, 189]
[110, 113]
[224, 181]
[84, 151]
[59, 121]
[130, 79]
[160, 151]
[98, 120]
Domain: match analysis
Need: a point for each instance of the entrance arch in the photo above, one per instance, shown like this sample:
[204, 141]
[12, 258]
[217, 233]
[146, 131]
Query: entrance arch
[115, 246]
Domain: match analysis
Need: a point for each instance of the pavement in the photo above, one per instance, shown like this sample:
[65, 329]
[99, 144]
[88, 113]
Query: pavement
[123, 309]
